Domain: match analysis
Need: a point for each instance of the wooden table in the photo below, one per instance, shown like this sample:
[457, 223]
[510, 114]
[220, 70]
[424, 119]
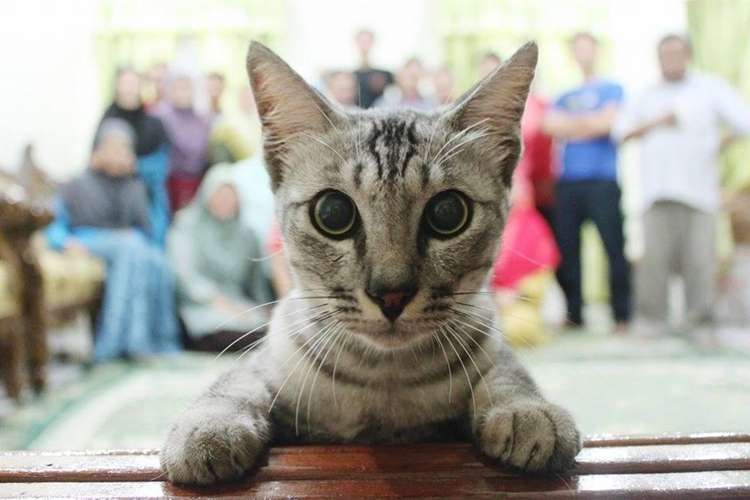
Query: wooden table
[696, 466]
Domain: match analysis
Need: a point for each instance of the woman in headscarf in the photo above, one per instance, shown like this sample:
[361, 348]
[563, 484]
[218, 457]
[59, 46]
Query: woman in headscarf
[217, 261]
[151, 146]
[105, 212]
[188, 134]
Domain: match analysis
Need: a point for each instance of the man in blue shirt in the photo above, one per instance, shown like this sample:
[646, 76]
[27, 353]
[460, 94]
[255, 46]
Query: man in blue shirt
[587, 187]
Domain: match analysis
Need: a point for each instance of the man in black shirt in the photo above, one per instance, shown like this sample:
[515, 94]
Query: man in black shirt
[370, 81]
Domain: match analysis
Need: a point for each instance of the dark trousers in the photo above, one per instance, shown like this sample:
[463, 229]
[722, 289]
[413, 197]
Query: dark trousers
[599, 202]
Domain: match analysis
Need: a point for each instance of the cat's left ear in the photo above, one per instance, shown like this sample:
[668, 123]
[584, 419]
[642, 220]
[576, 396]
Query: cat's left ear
[289, 108]
[494, 107]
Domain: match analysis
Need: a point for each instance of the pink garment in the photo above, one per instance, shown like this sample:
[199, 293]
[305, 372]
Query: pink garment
[528, 246]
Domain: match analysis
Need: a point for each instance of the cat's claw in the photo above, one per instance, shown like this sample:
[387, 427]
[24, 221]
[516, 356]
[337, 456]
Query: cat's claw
[206, 447]
[530, 436]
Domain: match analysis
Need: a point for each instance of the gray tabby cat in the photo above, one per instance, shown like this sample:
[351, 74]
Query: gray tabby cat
[391, 221]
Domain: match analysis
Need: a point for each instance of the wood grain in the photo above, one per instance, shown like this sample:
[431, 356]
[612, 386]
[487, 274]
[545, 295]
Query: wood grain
[696, 466]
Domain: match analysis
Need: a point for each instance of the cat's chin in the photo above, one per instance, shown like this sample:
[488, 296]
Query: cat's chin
[388, 337]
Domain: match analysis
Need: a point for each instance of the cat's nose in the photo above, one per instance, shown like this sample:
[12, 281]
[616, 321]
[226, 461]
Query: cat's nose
[391, 301]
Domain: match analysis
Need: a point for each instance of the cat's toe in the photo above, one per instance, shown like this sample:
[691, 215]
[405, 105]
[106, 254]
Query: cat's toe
[209, 450]
[531, 437]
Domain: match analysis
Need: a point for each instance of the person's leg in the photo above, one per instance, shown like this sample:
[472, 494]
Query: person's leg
[568, 219]
[654, 268]
[698, 266]
[604, 210]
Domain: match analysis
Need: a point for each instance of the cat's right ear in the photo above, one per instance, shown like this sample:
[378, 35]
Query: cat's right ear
[289, 108]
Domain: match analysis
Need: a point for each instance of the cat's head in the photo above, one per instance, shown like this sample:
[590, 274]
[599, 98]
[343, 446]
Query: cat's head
[393, 215]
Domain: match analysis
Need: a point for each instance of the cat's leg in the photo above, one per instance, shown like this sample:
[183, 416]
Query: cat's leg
[516, 425]
[222, 434]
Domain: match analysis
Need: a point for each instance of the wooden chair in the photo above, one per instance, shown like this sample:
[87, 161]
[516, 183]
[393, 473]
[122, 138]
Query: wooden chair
[691, 466]
[22, 336]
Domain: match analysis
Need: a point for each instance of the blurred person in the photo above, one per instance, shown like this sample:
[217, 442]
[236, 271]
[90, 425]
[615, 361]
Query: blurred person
[189, 138]
[215, 87]
[236, 136]
[528, 257]
[445, 85]
[220, 281]
[488, 63]
[105, 212]
[587, 188]
[371, 82]
[154, 90]
[341, 86]
[733, 307]
[151, 145]
[680, 122]
[406, 93]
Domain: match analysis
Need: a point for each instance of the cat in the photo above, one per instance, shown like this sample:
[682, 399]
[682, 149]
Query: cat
[391, 221]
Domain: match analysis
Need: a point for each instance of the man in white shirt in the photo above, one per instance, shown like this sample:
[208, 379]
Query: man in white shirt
[682, 122]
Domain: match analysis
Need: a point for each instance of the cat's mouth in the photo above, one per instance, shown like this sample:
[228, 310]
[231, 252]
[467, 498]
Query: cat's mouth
[399, 334]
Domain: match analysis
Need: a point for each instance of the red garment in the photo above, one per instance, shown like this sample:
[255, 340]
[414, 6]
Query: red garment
[181, 191]
[534, 178]
[527, 247]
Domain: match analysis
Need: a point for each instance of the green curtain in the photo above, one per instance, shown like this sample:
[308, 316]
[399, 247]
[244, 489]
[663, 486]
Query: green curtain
[720, 31]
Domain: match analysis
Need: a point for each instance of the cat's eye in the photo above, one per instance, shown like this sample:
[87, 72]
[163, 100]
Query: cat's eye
[447, 214]
[334, 214]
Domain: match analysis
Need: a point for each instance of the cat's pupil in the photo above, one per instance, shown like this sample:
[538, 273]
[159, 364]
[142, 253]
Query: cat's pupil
[335, 213]
[447, 213]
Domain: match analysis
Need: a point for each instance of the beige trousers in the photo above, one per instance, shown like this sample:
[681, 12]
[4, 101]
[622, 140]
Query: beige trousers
[679, 240]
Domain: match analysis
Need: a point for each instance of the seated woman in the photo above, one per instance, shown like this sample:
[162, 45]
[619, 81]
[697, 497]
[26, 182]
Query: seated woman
[105, 212]
[216, 258]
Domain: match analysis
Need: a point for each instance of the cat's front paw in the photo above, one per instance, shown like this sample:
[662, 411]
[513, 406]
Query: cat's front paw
[206, 447]
[531, 436]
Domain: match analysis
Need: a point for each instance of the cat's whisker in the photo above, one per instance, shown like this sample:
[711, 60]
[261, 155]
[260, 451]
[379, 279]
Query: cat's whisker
[456, 149]
[347, 339]
[447, 363]
[290, 330]
[314, 353]
[466, 372]
[456, 136]
[267, 257]
[324, 143]
[308, 309]
[458, 323]
[460, 340]
[332, 343]
[299, 361]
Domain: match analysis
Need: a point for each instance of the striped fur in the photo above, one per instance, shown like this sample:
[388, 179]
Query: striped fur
[332, 368]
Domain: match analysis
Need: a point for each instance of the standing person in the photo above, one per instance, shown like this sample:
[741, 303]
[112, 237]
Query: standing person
[680, 122]
[189, 137]
[215, 87]
[587, 188]
[371, 82]
[151, 146]
[217, 261]
[105, 212]
[445, 85]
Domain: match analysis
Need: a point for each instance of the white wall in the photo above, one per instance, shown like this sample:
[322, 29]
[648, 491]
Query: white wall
[49, 87]
[321, 33]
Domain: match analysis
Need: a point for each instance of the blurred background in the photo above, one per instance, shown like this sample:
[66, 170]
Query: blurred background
[168, 80]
